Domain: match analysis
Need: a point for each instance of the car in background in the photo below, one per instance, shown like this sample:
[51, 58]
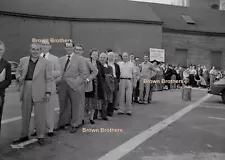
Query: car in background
[218, 88]
[14, 66]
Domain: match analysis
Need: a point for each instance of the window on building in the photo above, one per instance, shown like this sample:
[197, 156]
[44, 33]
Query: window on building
[181, 57]
[188, 19]
[216, 59]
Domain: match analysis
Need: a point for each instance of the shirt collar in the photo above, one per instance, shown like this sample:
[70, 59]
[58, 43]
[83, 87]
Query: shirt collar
[71, 55]
[46, 54]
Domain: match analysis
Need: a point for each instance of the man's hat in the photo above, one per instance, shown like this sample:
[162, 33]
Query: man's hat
[155, 61]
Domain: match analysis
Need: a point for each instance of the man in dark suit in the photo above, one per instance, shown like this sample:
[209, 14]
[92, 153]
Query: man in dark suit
[5, 78]
[116, 74]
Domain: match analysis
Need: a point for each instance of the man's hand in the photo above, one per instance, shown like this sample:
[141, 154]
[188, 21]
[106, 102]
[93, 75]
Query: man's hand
[20, 80]
[86, 80]
[47, 96]
[134, 84]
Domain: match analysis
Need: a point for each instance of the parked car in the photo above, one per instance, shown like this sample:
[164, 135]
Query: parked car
[218, 88]
[14, 66]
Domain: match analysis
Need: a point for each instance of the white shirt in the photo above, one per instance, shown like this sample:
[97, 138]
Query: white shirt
[113, 67]
[46, 55]
[127, 70]
[71, 55]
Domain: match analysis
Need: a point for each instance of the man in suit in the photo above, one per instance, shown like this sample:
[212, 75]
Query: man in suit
[74, 73]
[5, 78]
[54, 99]
[88, 86]
[35, 76]
[116, 75]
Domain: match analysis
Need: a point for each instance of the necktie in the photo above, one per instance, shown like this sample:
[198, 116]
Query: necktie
[44, 55]
[67, 62]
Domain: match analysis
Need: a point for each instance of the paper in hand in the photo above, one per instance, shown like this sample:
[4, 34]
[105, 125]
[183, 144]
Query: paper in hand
[2, 75]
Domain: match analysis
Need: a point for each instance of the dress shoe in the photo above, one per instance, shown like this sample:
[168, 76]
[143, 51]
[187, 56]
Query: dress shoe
[51, 134]
[43, 141]
[120, 113]
[21, 140]
[34, 134]
[105, 119]
[73, 129]
[92, 121]
[129, 114]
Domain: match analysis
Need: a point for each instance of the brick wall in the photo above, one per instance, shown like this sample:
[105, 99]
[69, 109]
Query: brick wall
[199, 47]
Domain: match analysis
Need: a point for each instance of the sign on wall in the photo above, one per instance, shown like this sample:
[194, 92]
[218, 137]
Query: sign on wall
[222, 4]
[157, 54]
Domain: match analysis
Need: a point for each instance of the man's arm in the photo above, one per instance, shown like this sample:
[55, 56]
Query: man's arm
[19, 70]
[134, 79]
[49, 77]
[8, 78]
[93, 69]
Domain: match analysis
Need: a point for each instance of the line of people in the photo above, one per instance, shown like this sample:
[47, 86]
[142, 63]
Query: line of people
[93, 87]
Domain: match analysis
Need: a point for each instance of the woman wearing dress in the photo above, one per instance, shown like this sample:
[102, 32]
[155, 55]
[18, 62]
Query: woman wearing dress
[94, 97]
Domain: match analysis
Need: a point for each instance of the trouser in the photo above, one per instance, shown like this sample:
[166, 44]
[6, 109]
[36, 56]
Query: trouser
[151, 92]
[146, 87]
[126, 88]
[111, 106]
[1, 109]
[39, 112]
[136, 91]
[69, 97]
[52, 104]
[82, 105]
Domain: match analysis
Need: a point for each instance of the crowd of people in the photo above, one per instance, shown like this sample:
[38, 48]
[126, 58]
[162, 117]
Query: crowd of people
[92, 87]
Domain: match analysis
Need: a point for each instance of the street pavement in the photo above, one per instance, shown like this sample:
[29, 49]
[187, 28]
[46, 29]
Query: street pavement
[199, 133]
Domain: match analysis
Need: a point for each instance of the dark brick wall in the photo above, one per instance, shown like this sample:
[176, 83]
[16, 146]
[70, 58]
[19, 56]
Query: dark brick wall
[199, 47]
[17, 34]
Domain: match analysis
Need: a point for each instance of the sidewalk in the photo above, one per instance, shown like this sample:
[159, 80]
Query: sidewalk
[92, 145]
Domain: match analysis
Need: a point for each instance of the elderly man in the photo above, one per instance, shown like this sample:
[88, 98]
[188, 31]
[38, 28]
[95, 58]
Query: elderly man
[116, 75]
[74, 73]
[35, 76]
[92, 73]
[5, 78]
[127, 83]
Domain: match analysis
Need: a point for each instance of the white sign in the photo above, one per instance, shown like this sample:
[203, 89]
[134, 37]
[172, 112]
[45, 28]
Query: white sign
[222, 4]
[157, 54]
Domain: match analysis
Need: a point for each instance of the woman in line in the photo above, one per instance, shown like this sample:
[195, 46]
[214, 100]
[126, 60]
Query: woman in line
[94, 97]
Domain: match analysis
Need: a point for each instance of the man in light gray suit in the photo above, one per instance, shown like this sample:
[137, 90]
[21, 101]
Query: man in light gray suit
[92, 73]
[53, 103]
[35, 76]
[74, 74]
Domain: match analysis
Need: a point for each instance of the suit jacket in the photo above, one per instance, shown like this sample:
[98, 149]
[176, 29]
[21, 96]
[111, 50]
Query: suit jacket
[76, 71]
[56, 70]
[92, 73]
[42, 78]
[8, 78]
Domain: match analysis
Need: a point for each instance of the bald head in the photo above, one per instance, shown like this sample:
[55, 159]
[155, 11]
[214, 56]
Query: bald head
[2, 49]
[111, 56]
[103, 58]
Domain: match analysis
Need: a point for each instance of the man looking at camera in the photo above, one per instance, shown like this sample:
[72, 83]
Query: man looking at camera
[35, 77]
